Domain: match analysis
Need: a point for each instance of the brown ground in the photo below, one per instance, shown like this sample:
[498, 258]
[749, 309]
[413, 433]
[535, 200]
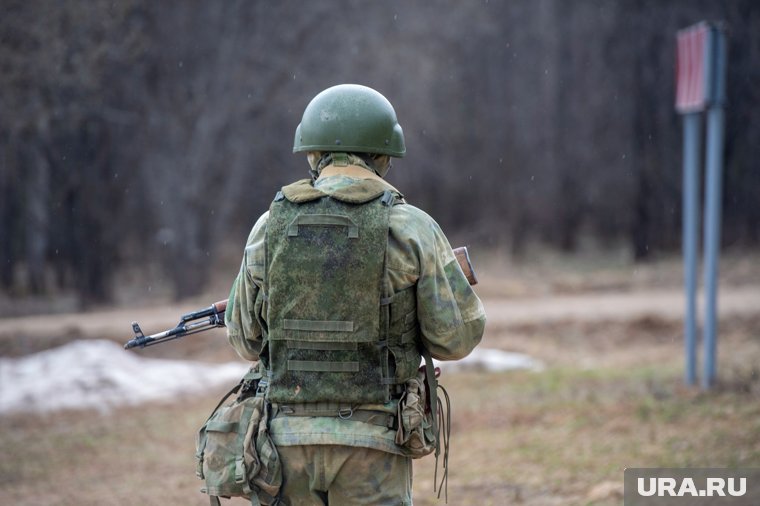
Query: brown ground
[611, 396]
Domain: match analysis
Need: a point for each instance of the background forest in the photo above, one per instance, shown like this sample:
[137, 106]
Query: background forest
[146, 137]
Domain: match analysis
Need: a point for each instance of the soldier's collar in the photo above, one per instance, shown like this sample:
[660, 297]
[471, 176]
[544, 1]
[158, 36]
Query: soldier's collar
[354, 171]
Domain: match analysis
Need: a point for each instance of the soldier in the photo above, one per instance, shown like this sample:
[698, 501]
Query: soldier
[343, 287]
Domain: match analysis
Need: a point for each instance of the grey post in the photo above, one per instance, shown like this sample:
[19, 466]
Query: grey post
[692, 134]
[713, 194]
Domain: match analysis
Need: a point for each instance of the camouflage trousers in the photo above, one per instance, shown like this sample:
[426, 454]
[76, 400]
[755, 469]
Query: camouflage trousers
[344, 475]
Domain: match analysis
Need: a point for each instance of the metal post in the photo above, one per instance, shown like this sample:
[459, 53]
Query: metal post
[713, 194]
[692, 133]
[712, 237]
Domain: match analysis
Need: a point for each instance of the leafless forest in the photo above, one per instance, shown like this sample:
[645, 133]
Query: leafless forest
[137, 134]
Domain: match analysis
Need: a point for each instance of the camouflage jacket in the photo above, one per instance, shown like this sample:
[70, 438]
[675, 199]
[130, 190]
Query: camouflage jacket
[451, 319]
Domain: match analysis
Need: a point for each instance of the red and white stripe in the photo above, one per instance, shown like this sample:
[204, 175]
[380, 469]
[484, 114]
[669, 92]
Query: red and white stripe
[690, 68]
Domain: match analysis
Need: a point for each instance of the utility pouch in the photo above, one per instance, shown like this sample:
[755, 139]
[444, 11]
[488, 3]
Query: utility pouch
[235, 455]
[424, 418]
[415, 434]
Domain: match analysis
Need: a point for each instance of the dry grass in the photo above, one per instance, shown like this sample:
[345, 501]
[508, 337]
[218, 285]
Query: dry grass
[611, 396]
[561, 436]
[565, 435]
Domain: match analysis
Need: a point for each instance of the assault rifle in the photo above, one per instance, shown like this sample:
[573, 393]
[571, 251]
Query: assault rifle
[213, 315]
[190, 323]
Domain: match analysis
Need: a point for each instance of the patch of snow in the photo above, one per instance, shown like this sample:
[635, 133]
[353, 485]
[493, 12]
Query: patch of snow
[492, 360]
[100, 374]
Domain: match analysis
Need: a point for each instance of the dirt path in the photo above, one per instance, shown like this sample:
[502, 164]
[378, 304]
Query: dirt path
[109, 324]
[594, 307]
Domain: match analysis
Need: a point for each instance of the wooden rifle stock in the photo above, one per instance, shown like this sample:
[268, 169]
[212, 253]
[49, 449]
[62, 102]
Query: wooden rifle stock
[463, 258]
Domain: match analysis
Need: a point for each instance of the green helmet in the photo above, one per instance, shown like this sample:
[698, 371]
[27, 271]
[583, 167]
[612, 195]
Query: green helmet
[350, 118]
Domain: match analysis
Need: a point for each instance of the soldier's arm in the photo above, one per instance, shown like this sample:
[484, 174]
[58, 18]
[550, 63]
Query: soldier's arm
[450, 314]
[245, 306]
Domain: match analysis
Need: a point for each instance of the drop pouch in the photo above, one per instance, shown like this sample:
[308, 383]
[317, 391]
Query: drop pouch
[416, 434]
[235, 455]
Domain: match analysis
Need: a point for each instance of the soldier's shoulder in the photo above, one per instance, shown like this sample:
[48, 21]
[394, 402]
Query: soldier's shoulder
[412, 213]
[262, 221]
[410, 224]
[258, 229]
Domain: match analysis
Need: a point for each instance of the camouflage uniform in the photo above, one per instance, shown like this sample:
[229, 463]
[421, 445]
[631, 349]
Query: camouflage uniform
[352, 461]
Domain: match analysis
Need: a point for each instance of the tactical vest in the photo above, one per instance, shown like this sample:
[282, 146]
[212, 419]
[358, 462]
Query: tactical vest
[333, 333]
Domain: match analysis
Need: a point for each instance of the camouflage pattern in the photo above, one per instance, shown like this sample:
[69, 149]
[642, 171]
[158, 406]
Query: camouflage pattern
[433, 304]
[235, 454]
[415, 429]
[379, 164]
[342, 476]
[324, 282]
[291, 430]
[226, 472]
